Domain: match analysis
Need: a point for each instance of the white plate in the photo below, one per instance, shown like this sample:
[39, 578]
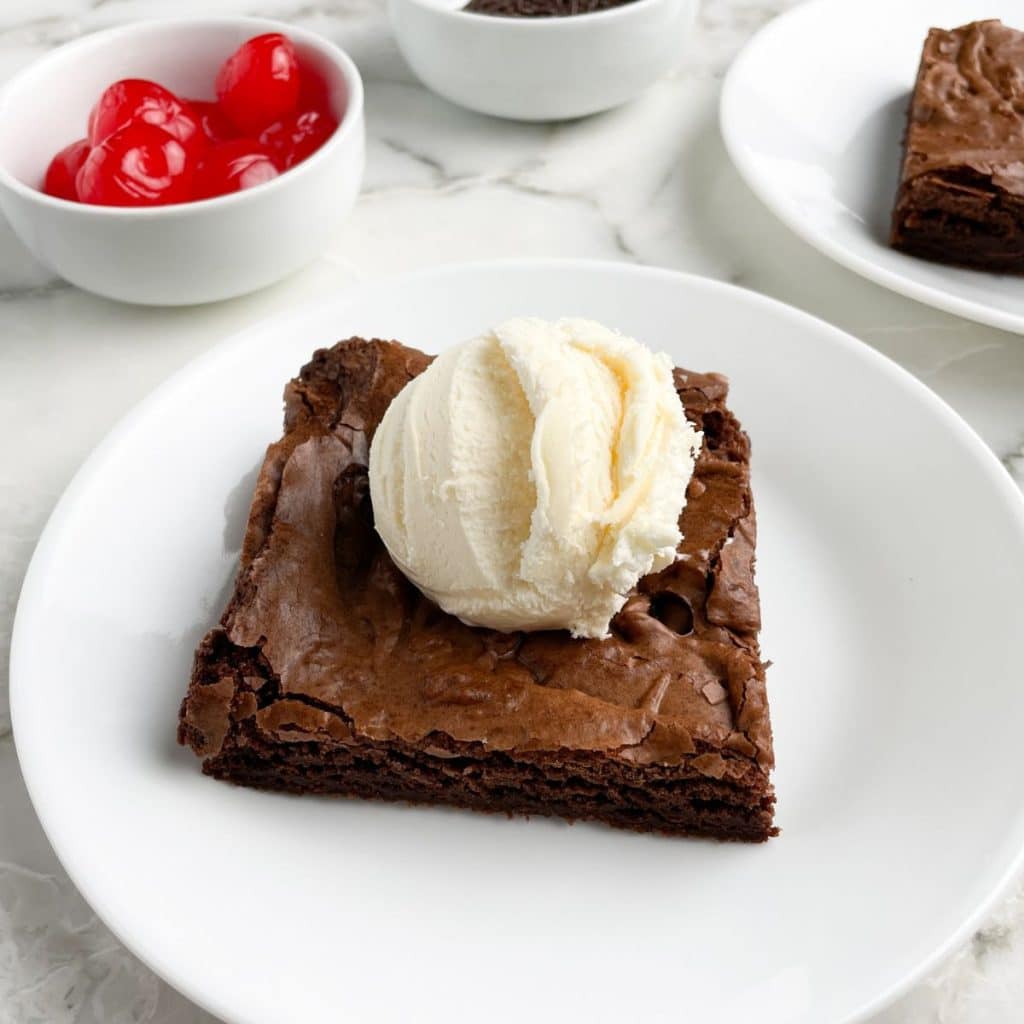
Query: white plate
[891, 557]
[813, 113]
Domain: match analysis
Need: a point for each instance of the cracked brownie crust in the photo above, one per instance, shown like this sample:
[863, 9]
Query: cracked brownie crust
[331, 673]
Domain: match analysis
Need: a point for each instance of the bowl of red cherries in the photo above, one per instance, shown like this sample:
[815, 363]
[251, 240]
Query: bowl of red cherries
[181, 161]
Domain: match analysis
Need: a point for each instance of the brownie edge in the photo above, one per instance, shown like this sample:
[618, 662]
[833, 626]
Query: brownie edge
[330, 673]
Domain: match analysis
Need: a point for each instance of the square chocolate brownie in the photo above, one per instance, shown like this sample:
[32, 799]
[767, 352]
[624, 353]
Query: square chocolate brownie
[331, 673]
[961, 193]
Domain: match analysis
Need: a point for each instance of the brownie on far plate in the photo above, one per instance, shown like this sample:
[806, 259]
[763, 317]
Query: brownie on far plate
[961, 192]
[331, 673]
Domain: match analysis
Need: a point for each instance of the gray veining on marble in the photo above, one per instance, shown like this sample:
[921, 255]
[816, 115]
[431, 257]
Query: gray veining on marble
[649, 183]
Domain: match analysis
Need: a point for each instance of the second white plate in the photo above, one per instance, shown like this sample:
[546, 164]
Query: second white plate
[813, 113]
[890, 558]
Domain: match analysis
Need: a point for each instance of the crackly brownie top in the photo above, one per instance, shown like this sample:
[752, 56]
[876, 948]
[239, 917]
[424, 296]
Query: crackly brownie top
[967, 109]
[347, 634]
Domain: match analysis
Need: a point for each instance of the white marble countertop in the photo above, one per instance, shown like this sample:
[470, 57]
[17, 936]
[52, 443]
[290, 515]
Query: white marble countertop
[649, 183]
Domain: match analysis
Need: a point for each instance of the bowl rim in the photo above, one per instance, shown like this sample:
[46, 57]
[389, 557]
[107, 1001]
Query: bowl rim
[351, 116]
[555, 23]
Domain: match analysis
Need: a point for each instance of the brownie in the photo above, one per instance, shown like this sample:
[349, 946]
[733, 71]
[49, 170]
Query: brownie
[331, 673]
[541, 8]
[961, 192]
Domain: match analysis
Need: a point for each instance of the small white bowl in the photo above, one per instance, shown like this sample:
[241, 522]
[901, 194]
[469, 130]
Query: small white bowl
[188, 252]
[541, 69]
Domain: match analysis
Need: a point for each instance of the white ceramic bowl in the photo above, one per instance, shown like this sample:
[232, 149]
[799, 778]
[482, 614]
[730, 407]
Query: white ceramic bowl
[188, 252]
[541, 69]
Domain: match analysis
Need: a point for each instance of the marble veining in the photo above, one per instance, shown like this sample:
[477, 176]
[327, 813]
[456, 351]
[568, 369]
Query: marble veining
[649, 183]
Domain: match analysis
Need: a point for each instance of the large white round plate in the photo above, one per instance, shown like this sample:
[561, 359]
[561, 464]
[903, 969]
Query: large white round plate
[813, 113]
[891, 560]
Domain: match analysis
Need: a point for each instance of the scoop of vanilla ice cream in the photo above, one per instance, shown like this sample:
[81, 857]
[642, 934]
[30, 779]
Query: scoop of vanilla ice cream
[529, 477]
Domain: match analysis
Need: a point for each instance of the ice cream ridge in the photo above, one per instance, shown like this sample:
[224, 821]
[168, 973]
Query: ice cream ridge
[531, 475]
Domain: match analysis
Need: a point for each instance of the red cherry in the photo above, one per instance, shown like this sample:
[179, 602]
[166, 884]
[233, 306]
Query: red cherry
[139, 165]
[313, 92]
[297, 136]
[259, 82]
[232, 166]
[216, 127]
[60, 175]
[137, 99]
